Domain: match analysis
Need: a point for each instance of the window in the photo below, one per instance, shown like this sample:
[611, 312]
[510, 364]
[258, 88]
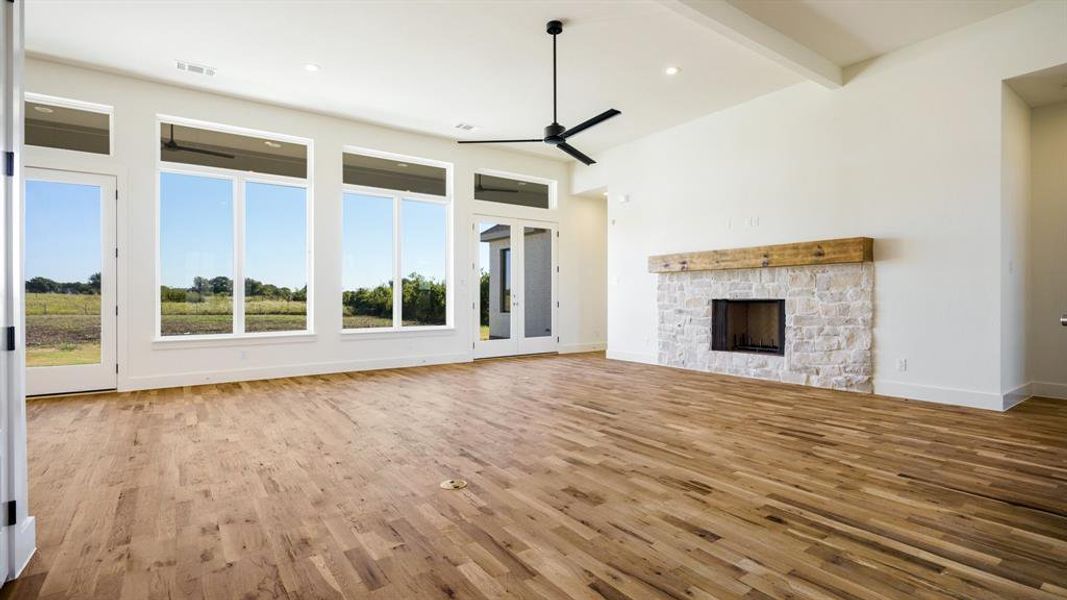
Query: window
[275, 257]
[196, 254]
[395, 246]
[218, 226]
[190, 145]
[394, 174]
[368, 261]
[67, 125]
[505, 280]
[505, 190]
[423, 264]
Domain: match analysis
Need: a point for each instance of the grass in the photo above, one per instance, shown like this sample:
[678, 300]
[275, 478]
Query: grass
[64, 354]
[64, 329]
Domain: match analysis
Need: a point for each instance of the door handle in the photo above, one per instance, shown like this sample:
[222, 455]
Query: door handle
[1063, 319]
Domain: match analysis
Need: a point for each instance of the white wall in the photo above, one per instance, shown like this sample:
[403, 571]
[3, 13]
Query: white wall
[907, 152]
[145, 363]
[1015, 259]
[1048, 297]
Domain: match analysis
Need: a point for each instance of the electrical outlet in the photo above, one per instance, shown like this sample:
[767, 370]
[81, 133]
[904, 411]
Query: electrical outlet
[902, 364]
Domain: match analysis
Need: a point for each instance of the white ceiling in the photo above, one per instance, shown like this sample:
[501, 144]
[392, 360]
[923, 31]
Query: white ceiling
[426, 66]
[852, 31]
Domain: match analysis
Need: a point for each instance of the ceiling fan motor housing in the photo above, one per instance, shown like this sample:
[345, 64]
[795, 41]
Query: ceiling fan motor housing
[554, 134]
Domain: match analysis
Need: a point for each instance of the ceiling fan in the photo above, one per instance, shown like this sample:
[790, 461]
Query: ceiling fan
[175, 146]
[556, 134]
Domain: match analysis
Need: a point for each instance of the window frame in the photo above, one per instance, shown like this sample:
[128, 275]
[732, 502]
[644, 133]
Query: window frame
[239, 179]
[398, 198]
[73, 104]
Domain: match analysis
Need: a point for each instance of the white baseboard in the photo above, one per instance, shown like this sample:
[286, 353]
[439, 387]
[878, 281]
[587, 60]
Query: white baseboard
[149, 382]
[1017, 396]
[940, 395]
[23, 546]
[648, 359]
[576, 348]
[1048, 389]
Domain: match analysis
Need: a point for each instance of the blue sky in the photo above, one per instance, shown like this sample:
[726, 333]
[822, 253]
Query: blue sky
[196, 233]
[368, 240]
[62, 231]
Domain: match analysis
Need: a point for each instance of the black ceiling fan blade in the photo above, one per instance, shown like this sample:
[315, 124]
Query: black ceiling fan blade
[499, 141]
[580, 127]
[569, 149]
[202, 151]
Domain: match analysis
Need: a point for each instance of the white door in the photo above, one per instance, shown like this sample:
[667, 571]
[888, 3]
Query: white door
[515, 297]
[69, 242]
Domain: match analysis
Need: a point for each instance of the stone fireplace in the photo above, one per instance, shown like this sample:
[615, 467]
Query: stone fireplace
[803, 323]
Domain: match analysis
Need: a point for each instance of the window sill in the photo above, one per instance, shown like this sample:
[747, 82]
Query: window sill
[385, 333]
[211, 341]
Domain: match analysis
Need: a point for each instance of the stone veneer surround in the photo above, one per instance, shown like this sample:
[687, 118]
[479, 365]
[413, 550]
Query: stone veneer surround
[828, 320]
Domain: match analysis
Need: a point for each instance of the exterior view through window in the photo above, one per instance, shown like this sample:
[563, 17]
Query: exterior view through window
[236, 188]
[395, 245]
[368, 261]
[196, 254]
[63, 229]
[494, 274]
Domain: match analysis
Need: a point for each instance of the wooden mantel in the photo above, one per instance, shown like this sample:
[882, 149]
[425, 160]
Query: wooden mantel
[820, 252]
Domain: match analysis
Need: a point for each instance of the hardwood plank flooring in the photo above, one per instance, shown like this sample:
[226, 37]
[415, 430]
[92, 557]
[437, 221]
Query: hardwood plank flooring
[589, 479]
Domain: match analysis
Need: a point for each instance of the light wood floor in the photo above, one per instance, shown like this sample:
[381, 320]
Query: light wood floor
[589, 479]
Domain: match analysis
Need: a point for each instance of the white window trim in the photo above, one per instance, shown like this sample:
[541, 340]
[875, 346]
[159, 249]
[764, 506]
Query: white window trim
[398, 198]
[239, 179]
[93, 107]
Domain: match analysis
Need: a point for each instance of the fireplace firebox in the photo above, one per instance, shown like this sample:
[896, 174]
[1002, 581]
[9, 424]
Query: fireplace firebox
[756, 326]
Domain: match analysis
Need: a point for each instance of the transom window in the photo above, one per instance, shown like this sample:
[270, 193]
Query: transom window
[512, 190]
[233, 244]
[396, 263]
[67, 124]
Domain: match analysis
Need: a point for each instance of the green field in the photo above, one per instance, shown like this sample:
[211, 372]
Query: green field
[64, 329]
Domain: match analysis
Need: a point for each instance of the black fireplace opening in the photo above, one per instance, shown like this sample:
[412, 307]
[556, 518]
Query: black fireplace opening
[756, 326]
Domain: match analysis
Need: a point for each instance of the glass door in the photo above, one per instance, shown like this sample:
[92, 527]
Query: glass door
[515, 300]
[70, 282]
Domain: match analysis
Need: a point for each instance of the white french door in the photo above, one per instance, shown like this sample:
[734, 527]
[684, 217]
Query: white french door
[69, 250]
[515, 302]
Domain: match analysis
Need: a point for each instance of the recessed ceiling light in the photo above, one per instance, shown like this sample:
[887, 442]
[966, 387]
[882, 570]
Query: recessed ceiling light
[312, 67]
[43, 109]
[672, 70]
[272, 144]
[401, 164]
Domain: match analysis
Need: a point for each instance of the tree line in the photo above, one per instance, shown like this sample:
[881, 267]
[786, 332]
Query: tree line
[423, 299]
[205, 287]
[44, 285]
